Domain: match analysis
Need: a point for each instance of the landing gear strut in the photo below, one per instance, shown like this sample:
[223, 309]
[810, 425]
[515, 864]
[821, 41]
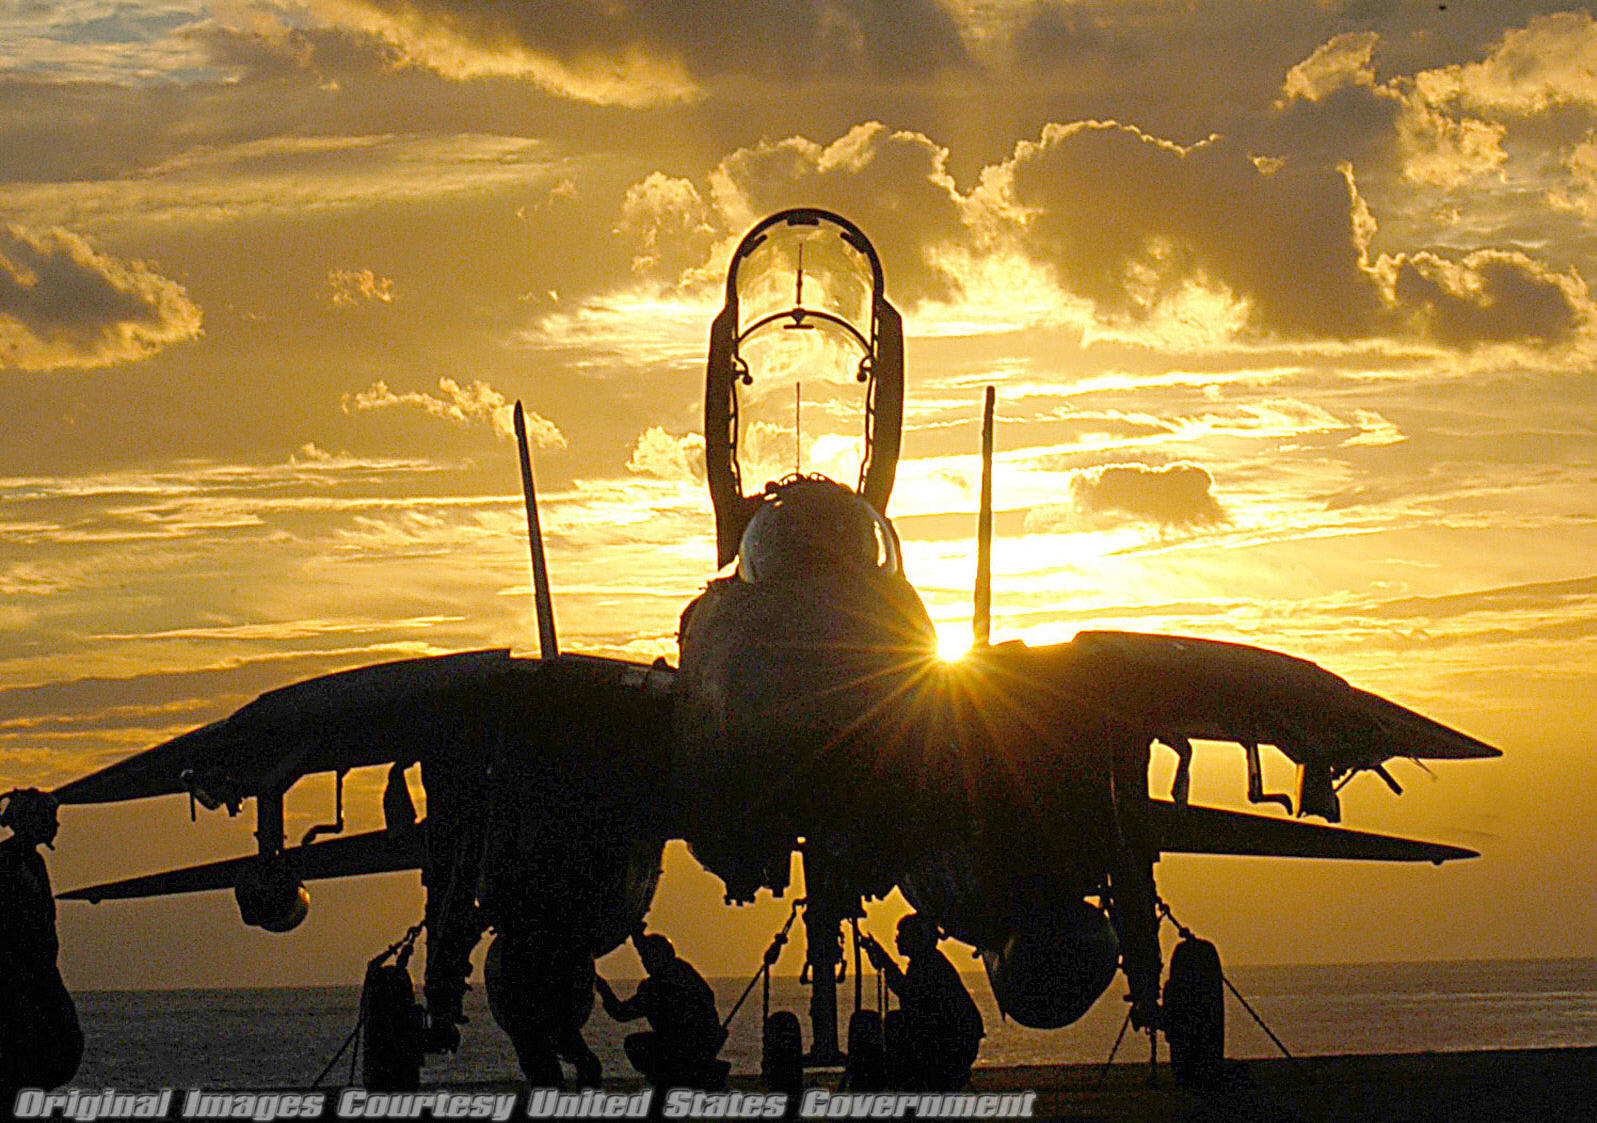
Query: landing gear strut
[829, 904]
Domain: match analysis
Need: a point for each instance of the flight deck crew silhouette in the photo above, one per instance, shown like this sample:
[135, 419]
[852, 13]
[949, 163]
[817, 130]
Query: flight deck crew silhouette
[679, 1048]
[40, 1040]
[942, 1027]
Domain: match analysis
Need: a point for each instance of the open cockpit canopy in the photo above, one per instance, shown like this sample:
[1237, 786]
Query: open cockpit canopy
[805, 369]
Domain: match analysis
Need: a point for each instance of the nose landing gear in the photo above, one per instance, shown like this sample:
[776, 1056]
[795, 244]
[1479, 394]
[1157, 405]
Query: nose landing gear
[824, 970]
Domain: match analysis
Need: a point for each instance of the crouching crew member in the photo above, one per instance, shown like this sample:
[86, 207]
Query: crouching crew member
[679, 1048]
[942, 1027]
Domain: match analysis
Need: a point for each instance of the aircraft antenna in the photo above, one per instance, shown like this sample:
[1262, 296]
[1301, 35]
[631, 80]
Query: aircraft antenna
[548, 646]
[982, 623]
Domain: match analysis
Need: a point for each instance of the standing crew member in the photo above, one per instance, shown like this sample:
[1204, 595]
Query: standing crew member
[685, 1034]
[942, 1027]
[40, 1040]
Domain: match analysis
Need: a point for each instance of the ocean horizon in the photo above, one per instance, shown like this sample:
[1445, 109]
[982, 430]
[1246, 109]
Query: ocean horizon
[283, 1036]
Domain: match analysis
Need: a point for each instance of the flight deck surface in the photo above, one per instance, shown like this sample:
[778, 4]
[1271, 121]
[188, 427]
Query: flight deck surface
[1486, 1086]
[1476, 1087]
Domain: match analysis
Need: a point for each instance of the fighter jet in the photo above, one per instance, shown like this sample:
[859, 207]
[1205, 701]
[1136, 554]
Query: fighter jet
[1005, 794]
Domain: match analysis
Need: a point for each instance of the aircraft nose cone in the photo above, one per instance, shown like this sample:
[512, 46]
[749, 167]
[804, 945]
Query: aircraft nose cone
[796, 701]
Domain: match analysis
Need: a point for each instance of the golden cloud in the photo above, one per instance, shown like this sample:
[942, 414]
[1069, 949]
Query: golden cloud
[1549, 62]
[658, 453]
[1489, 296]
[65, 304]
[1334, 64]
[647, 52]
[1436, 145]
[894, 184]
[1133, 222]
[348, 288]
[1172, 497]
[461, 404]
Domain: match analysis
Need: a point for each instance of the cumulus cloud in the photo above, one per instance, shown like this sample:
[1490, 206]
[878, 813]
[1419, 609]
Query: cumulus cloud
[1579, 193]
[1551, 61]
[641, 52]
[894, 184]
[1180, 243]
[65, 304]
[348, 288]
[1134, 222]
[1131, 221]
[658, 453]
[1176, 496]
[1490, 296]
[1445, 151]
[1336, 88]
[478, 402]
[669, 225]
[1184, 244]
[1338, 62]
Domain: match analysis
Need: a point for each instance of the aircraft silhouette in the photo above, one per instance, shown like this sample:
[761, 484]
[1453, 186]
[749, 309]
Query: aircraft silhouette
[1005, 794]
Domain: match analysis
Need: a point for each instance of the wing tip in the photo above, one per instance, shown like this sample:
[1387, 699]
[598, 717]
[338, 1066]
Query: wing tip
[1196, 829]
[1458, 746]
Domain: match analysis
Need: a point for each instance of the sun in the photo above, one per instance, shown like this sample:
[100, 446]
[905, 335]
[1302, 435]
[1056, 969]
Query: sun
[953, 640]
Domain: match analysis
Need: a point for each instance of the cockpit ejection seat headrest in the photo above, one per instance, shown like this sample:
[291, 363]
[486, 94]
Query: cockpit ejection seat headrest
[807, 525]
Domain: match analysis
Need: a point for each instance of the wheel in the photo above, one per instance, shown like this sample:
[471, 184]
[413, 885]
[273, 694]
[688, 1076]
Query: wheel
[1194, 1012]
[867, 1061]
[394, 1028]
[782, 1053]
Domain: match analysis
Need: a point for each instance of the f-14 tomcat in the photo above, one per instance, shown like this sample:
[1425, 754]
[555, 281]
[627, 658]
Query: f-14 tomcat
[1006, 794]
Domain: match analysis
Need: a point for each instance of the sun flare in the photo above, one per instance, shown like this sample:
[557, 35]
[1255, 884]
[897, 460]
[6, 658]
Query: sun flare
[953, 640]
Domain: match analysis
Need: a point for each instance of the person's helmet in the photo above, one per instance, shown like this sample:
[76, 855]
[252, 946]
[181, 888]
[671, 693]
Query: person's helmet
[31, 815]
[655, 950]
[915, 931]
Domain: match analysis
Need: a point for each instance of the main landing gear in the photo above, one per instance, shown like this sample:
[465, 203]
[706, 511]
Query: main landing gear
[1193, 1009]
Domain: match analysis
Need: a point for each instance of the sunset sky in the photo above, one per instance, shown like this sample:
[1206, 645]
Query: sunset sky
[1288, 306]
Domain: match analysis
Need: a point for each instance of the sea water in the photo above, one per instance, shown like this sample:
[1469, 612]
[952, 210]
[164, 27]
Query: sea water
[284, 1037]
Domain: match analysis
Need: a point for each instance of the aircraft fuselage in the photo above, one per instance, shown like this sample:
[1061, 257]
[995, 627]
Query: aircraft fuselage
[812, 708]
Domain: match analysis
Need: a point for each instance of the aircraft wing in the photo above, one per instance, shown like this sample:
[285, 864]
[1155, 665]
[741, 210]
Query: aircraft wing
[1210, 690]
[1214, 830]
[379, 714]
[462, 706]
[1179, 689]
[379, 851]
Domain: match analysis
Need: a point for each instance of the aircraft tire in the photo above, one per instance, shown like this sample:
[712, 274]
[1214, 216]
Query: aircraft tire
[867, 1060]
[782, 1053]
[394, 1031]
[1194, 1012]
